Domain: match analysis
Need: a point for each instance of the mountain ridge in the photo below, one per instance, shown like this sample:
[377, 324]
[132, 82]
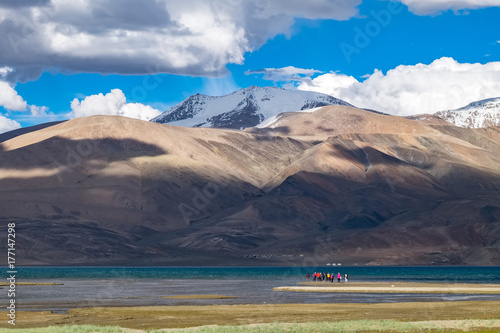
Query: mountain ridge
[108, 190]
[478, 114]
[243, 108]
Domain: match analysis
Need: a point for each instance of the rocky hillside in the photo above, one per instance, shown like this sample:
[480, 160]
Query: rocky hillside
[338, 184]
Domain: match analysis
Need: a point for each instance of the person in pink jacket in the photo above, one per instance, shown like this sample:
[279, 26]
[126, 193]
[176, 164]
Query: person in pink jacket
[338, 277]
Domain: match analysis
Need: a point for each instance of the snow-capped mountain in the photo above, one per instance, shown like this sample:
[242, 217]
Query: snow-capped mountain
[243, 108]
[478, 114]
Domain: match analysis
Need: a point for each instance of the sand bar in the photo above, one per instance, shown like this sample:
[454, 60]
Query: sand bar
[32, 284]
[199, 297]
[394, 287]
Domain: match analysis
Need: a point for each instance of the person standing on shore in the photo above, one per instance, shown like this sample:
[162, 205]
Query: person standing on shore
[338, 277]
[307, 277]
[345, 277]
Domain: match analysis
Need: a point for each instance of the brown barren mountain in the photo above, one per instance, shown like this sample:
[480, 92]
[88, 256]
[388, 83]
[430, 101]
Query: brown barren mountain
[336, 185]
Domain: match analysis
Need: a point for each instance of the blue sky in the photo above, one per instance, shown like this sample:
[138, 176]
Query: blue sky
[334, 48]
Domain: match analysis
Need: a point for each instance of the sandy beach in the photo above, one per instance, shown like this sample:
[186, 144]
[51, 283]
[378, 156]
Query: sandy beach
[394, 287]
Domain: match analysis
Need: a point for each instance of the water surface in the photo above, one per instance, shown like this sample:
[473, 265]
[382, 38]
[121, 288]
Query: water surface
[134, 286]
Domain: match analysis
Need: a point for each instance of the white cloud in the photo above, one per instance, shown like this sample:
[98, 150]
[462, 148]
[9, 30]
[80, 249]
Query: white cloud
[425, 7]
[289, 73]
[405, 90]
[40, 111]
[191, 37]
[12, 101]
[332, 84]
[4, 71]
[9, 98]
[7, 124]
[113, 103]
[311, 9]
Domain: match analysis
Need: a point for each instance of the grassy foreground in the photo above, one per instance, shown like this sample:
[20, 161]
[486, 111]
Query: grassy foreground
[161, 317]
[317, 327]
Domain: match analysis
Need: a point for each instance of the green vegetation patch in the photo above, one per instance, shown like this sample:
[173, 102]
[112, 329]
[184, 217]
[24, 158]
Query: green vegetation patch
[345, 327]
[349, 326]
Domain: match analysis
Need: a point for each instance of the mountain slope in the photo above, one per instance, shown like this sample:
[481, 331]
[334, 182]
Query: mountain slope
[243, 108]
[337, 119]
[12, 134]
[383, 190]
[478, 114]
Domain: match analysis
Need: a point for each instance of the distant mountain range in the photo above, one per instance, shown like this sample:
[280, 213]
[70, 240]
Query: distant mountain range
[243, 108]
[338, 184]
[478, 114]
[258, 107]
[310, 179]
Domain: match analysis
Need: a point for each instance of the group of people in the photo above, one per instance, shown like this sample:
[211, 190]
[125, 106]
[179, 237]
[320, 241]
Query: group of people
[328, 277]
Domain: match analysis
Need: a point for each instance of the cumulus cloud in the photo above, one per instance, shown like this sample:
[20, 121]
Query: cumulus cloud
[4, 71]
[191, 37]
[40, 111]
[312, 9]
[9, 98]
[405, 90]
[113, 103]
[7, 124]
[288, 74]
[425, 7]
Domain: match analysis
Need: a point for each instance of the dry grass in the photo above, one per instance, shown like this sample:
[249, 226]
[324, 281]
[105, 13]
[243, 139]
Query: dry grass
[194, 316]
[349, 327]
[317, 327]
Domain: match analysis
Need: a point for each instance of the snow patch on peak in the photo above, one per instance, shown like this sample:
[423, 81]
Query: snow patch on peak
[479, 114]
[490, 103]
[243, 108]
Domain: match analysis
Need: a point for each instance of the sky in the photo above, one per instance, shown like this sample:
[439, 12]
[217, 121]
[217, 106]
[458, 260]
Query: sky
[61, 59]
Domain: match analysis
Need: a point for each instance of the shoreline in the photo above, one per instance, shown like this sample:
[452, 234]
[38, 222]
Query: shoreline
[394, 287]
[4, 284]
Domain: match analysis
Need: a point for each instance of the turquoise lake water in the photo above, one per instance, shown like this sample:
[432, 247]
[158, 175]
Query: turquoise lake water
[407, 274]
[146, 286]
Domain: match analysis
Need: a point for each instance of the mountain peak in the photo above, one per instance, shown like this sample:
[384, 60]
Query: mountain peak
[254, 87]
[478, 114]
[258, 88]
[243, 108]
[489, 103]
